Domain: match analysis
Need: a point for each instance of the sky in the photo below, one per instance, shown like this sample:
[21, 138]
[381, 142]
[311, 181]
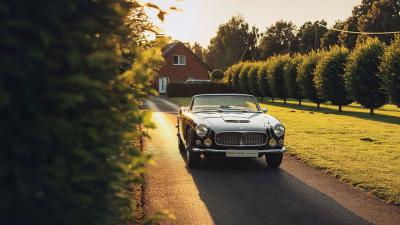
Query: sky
[198, 20]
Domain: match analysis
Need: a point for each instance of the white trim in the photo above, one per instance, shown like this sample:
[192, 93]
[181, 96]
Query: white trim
[181, 60]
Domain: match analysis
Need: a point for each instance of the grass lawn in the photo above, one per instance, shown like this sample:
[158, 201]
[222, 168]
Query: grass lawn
[353, 146]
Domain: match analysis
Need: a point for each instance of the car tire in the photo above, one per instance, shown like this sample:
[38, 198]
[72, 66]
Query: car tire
[274, 160]
[181, 146]
[192, 158]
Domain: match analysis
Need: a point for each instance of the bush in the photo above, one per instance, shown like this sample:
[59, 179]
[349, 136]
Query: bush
[262, 80]
[180, 89]
[290, 78]
[275, 76]
[305, 78]
[68, 118]
[329, 78]
[390, 70]
[216, 75]
[253, 80]
[362, 74]
[236, 69]
[243, 78]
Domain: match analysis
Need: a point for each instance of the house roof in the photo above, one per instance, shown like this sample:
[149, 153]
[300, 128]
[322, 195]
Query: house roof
[171, 46]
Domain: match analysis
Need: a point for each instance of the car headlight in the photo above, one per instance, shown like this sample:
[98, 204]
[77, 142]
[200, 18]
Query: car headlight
[279, 130]
[201, 130]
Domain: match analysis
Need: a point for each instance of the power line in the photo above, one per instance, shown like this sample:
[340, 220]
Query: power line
[359, 32]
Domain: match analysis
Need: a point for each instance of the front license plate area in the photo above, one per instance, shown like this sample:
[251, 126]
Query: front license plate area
[241, 153]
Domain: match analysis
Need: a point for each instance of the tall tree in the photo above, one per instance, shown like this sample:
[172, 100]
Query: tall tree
[352, 23]
[198, 50]
[252, 79]
[279, 38]
[243, 78]
[310, 34]
[383, 15]
[362, 74]
[231, 42]
[329, 76]
[390, 70]
[331, 37]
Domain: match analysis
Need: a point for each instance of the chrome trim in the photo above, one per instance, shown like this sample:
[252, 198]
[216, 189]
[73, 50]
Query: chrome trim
[266, 134]
[273, 150]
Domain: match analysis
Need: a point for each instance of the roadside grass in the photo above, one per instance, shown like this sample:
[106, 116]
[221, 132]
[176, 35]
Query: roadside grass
[353, 146]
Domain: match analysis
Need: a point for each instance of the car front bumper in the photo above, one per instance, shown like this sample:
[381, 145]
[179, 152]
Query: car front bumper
[260, 151]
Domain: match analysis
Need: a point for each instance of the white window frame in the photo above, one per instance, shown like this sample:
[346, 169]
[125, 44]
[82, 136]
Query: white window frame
[181, 60]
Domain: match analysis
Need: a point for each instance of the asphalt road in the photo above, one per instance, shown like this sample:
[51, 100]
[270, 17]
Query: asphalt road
[245, 191]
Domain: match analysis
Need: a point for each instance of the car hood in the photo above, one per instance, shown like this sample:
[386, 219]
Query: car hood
[235, 121]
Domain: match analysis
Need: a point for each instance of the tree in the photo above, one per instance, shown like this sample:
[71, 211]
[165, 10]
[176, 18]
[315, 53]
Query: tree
[390, 70]
[331, 37]
[329, 74]
[305, 78]
[290, 78]
[349, 40]
[253, 79]
[275, 76]
[243, 78]
[70, 110]
[310, 34]
[278, 39]
[383, 15]
[262, 80]
[231, 41]
[198, 50]
[362, 74]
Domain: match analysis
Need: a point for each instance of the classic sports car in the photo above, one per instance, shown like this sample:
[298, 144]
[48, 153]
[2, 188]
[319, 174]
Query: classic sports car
[232, 125]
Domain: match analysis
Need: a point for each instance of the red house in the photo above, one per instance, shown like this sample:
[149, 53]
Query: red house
[180, 64]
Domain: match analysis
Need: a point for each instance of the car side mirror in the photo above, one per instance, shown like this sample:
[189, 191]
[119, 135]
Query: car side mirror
[265, 110]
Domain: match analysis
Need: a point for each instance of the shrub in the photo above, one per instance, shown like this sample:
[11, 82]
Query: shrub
[68, 118]
[390, 70]
[236, 69]
[262, 80]
[305, 78]
[243, 78]
[216, 75]
[275, 76]
[290, 78]
[180, 89]
[253, 80]
[362, 74]
[329, 78]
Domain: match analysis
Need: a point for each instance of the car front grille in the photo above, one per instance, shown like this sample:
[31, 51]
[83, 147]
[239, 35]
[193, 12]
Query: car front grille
[240, 138]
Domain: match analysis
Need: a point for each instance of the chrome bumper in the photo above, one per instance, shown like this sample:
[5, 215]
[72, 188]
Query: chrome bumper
[206, 150]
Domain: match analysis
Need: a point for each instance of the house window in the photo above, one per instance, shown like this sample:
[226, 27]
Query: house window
[179, 60]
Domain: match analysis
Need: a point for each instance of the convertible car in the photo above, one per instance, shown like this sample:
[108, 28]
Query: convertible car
[231, 125]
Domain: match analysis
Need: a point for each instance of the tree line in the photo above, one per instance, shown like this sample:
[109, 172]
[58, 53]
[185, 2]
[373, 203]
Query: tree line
[369, 74]
[237, 41]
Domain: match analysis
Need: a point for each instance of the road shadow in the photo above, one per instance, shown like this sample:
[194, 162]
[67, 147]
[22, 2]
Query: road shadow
[245, 191]
[362, 115]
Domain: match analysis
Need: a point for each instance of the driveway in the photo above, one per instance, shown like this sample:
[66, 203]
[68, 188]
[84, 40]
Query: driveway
[245, 191]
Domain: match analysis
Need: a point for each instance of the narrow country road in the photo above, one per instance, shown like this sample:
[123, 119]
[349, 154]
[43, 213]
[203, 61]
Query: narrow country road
[244, 191]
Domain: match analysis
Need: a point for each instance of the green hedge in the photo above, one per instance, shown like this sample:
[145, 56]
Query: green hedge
[180, 89]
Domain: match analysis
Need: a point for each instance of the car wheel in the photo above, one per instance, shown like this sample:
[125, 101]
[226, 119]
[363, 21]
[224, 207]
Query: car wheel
[192, 158]
[181, 146]
[274, 159]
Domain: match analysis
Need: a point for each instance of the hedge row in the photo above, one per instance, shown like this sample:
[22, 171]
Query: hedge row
[181, 89]
[368, 75]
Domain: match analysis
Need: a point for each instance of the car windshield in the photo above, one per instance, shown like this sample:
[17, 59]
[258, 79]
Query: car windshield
[225, 103]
